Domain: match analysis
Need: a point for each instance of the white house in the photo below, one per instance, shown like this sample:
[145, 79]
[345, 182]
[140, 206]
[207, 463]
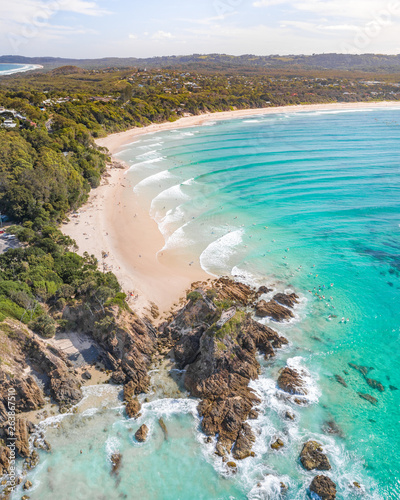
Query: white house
[9, 123]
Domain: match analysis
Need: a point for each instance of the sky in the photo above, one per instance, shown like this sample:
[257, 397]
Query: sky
[146, 28]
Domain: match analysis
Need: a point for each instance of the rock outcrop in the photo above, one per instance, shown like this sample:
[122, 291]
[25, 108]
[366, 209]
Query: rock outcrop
[116, 459]
[5, 460]
[128, 341]
[323, 487]
[273, 310]
[133, 408]
[244, 443]
[287, 300]
[313, 458]
[291, 382]
[219, 347]
[141, 433]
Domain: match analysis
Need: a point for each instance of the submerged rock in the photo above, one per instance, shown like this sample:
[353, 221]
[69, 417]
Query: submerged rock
[163, 427]
[324, 487]
[291, 381]
[141, 433]
[375, 384]
[341, 380]
[331, 427]
[273, 310]
[116, 462]
[368, 397]
[364, 370]
[312, 457]
[393, 388]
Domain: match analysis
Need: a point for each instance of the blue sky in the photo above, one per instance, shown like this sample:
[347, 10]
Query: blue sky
[131, 28]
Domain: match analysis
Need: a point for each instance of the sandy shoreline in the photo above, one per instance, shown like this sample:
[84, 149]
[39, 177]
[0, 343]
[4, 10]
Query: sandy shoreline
[113, 221]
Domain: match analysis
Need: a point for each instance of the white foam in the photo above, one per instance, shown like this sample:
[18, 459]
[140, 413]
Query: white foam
[216, 256]
[172, 217]
[178, 239]
[172, 193]
[113, 444]
[167, 407]
[337, 111]
[152, 179]
[313, 391]
[146, 163]
[269, 488]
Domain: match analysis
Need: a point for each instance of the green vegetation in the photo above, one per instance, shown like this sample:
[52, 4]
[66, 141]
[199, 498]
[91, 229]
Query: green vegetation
[230, 328]
[194, 296]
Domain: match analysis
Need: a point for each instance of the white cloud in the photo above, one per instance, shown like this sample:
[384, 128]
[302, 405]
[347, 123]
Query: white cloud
[162, 35]
[132, 36]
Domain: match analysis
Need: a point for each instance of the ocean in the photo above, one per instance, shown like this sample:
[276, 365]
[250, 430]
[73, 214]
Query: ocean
[9, 69]
[307, 202]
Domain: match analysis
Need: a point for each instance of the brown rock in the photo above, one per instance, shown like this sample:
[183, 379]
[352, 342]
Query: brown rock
[232, 466]
[5, 457]
[290, 381]
[273, 310]
[244, 443]
[163, 427]
[312, 457]
[115, 462]
[65, 387]
[129, 391]
[287, 300]
[278, 444]
[27, 485]
[223, 447]
[262, 290]
[133, 408]
[141, 433]
[22, 438]
[324, 487]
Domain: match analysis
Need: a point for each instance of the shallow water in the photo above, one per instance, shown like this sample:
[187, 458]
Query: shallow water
[308, 202]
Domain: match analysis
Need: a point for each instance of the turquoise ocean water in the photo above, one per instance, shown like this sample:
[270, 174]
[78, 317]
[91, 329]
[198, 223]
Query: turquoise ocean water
[308, 202]
[8, 69]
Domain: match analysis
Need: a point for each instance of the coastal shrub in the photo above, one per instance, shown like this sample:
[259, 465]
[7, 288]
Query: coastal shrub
[119, 300]
[11, 309]
[44, 325]
[211, 294]
[224, 304]
[194, 296]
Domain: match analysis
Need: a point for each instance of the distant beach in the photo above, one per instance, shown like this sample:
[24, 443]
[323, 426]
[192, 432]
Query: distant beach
[10, 69]
[112, 221]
